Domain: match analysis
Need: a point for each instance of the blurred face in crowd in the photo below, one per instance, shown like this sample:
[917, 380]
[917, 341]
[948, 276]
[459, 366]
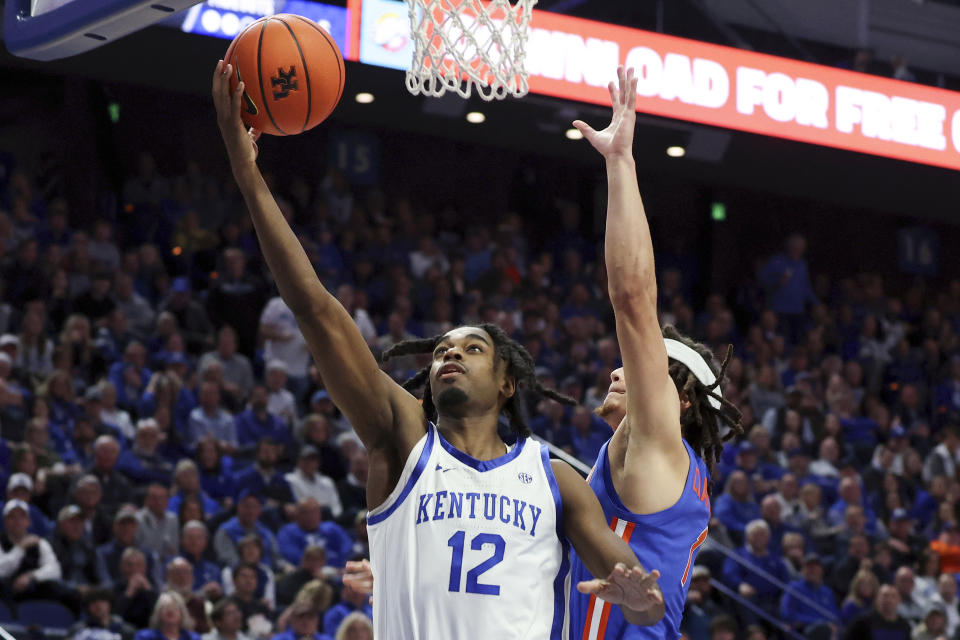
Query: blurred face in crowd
[858, 547]
[466, 376]
[829, 450]
[157, 499]
[758, 539]
[360, 466]
[207, 454]
[358, 630]
[314, 561]
[813, 572]
[789, 488]
[209, 396]
[231, 619]
[947, 587]
[793, 546]
[308, 515]
[125, 531]
[739, 486]
[188, 480]
[770, 509]
[850, 490]
[888, 599]
[133, 564]
[72, 528]
[248, 510]
[259, 397]
[170, 614]
[180, 575]
[904, 581]
[250, 552]
[304, 622]
[854, 519]
[194, 541]
[147, 439]
[16, 523]
[99, 610]
[266, 455]
[227, 342]
[245, 581]
[309, 465]
[276, 379]
[88, 494]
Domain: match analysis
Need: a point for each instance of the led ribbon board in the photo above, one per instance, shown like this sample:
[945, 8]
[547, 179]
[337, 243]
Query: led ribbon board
[574, 59]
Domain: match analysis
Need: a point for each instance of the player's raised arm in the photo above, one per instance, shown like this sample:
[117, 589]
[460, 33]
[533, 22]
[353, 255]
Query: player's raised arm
[378, 408]
[653, 412]
[604, 553]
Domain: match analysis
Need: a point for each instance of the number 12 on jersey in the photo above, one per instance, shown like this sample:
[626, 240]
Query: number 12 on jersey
[456, 542]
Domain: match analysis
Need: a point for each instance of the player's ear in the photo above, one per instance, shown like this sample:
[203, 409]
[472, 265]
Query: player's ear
[684, 401]
[508, 386]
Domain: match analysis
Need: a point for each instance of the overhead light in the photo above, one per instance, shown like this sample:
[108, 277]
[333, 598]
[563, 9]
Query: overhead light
[574, 134]
[475, 117]
[364, 97]
[676, 151]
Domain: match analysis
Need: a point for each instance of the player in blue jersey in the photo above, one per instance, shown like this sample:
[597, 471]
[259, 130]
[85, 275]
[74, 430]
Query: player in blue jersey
[664, 405]
[468, 533]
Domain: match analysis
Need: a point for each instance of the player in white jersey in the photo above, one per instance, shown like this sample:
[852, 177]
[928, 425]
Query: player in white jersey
[468, 534]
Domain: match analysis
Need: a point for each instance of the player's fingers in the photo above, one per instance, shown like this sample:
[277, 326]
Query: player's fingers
[614, 94]
[591, 586]
[625, 91]
[254, 136]
[587, 131]
[236, 99]
[632, 93]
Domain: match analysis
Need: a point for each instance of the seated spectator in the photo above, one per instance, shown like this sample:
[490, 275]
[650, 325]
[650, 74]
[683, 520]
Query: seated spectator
[256, 422]
[263, 477]
[193, 548]
[311, 568]
[125, 526]
[356, 626]
[237, 371]
[280, 402]
[770, 512]
[111, 414]
[883, 621]
[186, 483]
[130, 377]
[735, 506]
[45, 448]
[910, 609]
[98, 620]
[180, 581]
[859, 600]
[308, 528]
[133, 595]
[216, 475]
[851, 495]
[250, 549]
[158, 530]
[947, 597]
[77, 557]
[255, 612]
[724, 627]
[351, 601]
[553, 424]
[795, 607]
[812, 515]
[304, 620]
[700, 607]
[793, 549]
[142, 463]
[904, 545]
[588, 434]
[934, 624]
[210, 419]
[97, 522]
[246, 522]
[315, 430]
[849, 564]
[28, 567]
[170, 619]
[749, 584]
[115, 487]
[20, 487]
[307, 482]
[826, 465]
[227, 622]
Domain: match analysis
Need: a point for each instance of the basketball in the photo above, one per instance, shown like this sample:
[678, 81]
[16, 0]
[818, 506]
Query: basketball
[292, 72]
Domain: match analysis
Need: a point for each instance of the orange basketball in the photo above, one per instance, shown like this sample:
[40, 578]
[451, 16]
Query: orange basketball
[292, 72]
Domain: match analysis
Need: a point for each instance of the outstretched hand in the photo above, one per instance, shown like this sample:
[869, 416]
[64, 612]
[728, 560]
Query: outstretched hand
[632, 588]
[617, 138]
[241, 142]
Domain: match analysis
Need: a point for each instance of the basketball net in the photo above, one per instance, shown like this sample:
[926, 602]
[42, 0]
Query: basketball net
[460, 45]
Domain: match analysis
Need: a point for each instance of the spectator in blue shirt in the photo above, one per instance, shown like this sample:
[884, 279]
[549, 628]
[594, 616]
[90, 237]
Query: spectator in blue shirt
[216, 471]
[169, 620]
[247, 521]
[130, 376]
[304, 620]
[743, 577]
[851, 494]
[863, 589]
[142, 463]
[307, 530]
[20, 487]
[797, 608]
[264, 479]
[210, 419]
[186, 482]
[787, 281]
[588, 434]
[256, 422]
[351, 601]
[193, 548]
[735, 506]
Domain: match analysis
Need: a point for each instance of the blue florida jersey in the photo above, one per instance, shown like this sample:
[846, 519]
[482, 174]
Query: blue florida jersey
[464, 548]
[667, 540]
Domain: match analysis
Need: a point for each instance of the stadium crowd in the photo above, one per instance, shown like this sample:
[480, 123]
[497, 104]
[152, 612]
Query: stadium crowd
[173, 466]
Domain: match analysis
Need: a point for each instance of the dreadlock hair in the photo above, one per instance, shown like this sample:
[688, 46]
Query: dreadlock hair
[519, 363]
[700, 424]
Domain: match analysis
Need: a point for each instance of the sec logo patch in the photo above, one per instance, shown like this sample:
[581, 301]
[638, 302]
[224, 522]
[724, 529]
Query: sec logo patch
[525, 477]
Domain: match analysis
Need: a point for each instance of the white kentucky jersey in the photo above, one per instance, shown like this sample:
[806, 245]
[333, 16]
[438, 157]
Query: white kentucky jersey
[466, 548]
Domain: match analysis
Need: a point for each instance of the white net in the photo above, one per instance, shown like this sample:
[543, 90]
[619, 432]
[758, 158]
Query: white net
[465, 44]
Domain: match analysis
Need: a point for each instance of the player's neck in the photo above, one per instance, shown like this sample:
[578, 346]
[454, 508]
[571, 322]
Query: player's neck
[476, 436]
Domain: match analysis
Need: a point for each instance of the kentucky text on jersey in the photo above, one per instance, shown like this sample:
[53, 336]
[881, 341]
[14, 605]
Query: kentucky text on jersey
[471, 505]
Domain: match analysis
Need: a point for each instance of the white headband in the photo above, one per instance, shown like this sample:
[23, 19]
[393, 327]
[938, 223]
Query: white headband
[697, 365]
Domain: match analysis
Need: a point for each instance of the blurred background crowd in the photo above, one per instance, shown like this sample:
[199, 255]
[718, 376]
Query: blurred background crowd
[172, 463]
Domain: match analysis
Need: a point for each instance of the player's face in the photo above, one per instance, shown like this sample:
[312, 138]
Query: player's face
[614, 406]
[466, 372]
